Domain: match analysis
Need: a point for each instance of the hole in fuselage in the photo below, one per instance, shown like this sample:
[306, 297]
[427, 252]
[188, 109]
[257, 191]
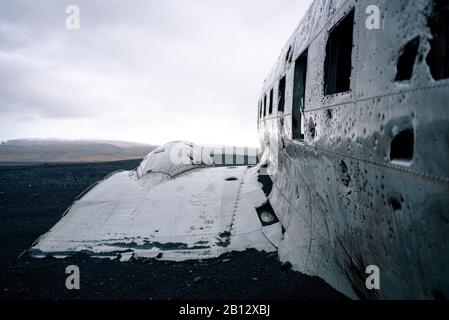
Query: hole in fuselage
[266, 214]
[231, 179]
[407, 60]
[266, 182]
[395, 204]
[402, 146]
[344, 175]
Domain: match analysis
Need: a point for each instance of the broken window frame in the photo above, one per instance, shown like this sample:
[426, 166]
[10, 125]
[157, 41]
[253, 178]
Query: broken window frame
[281, 94]
[407, 60]
[264, 105]
[338, 62]
[299, 95]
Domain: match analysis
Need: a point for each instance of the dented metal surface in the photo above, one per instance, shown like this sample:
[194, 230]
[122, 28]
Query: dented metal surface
[168, 209]
[369, 184]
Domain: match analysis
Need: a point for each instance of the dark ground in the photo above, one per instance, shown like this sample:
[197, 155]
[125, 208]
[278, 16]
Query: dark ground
[32, 200]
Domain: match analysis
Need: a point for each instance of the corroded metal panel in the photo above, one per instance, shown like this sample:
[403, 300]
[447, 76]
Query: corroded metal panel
[369, 185]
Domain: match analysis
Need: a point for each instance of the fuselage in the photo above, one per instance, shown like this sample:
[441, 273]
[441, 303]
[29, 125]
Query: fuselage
[354, 123]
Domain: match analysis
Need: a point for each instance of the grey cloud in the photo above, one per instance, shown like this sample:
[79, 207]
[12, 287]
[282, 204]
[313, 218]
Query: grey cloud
[29, 88]
[200, 61]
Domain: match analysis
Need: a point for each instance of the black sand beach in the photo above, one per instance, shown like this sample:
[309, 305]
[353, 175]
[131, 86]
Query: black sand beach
[32, 200]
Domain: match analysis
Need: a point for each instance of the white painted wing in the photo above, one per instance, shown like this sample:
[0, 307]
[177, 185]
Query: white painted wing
[200, 213]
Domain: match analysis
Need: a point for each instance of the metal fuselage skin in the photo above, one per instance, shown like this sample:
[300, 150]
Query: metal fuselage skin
[361, 174]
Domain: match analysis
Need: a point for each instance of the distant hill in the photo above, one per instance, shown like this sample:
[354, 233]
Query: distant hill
[52, 150]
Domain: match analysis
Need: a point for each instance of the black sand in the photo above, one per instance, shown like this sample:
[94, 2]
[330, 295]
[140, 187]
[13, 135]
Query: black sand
[32, 200]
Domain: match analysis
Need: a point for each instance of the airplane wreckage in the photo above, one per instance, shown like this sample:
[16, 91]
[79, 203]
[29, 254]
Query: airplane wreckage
[354, 127]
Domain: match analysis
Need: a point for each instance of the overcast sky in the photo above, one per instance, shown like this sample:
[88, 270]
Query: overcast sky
[144, 71]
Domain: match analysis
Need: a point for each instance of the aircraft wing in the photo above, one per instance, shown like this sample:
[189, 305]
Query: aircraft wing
[165, 210]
